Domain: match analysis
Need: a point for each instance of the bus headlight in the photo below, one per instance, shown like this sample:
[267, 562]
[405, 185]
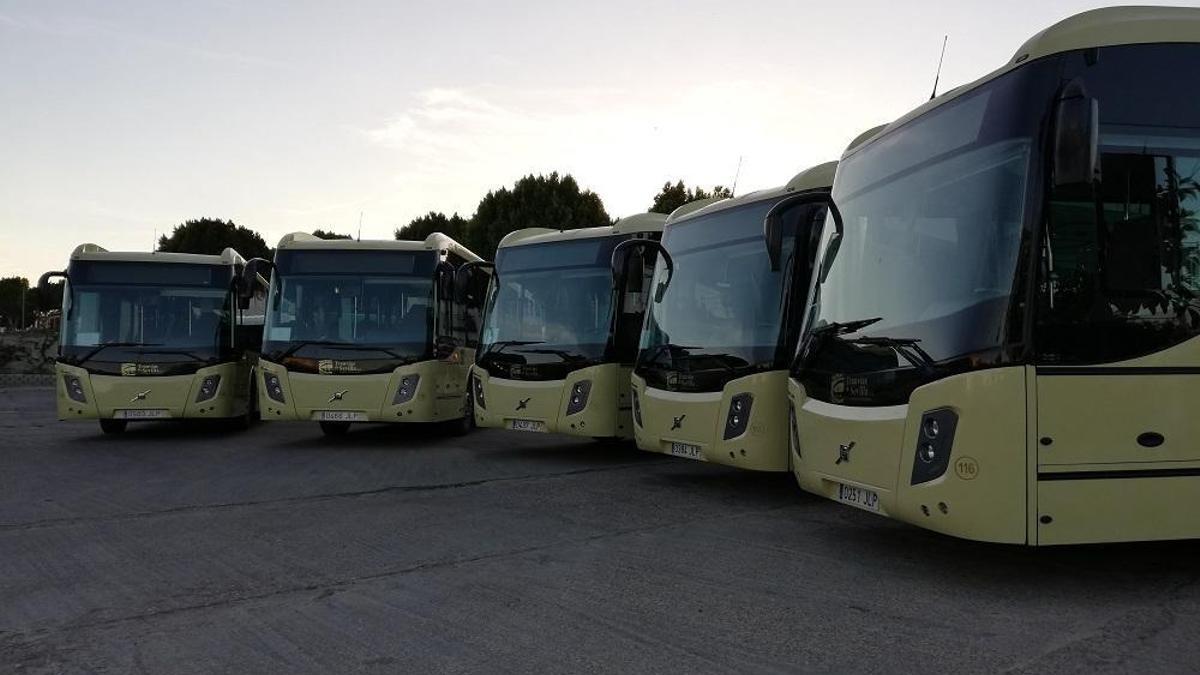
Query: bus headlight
[208, 388]
[739, 416]
[407, 389]
[74, 388]
[477, 386]
[579, 396]
[934, 442]
[274, 387]
[637, 408]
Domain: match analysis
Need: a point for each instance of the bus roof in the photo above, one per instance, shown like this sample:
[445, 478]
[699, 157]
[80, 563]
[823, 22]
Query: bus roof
[813, 178]
[1106, 27]
[641, 222]
[434, 242]
[94, 252]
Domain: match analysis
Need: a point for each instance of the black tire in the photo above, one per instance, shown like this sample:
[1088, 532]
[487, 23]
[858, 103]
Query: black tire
[335, 428]
[113, 427]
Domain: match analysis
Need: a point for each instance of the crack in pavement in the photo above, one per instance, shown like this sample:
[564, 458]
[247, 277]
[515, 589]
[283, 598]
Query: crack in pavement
[13, 639]
[352, 494]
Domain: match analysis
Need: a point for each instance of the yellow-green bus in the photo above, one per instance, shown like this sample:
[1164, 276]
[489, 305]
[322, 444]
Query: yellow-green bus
[365, 331]
[154, 336]
[710, 381]
[1003, 341]
[561, 330]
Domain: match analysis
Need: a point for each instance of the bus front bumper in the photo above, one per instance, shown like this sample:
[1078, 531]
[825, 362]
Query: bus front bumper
[428, 391]
[751, 411]
[81, 395]
[591, 402]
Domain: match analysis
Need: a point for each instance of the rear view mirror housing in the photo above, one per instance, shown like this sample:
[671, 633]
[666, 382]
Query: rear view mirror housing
[624, 251]
[1076, 137]
[773, 226]
[462, 277]
[256, 274]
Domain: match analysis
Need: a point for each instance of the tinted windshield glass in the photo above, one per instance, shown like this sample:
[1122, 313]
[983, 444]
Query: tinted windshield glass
[1120, 273]
[720, 314]
[934, 215]
[361, 304]
[552, 303]
[177, 311]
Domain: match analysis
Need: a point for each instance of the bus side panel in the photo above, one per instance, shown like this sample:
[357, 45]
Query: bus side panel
[1115, 510]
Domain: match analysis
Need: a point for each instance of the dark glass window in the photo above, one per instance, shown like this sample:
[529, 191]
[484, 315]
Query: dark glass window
[1120, 265]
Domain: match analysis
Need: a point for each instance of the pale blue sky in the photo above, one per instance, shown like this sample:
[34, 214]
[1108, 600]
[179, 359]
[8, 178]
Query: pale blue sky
[121, 118]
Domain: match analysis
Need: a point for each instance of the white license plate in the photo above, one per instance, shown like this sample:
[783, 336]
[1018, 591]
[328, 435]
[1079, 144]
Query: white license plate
[526, 425]
[860, 497]
[686, 450]
[339, 416]
[152, 414]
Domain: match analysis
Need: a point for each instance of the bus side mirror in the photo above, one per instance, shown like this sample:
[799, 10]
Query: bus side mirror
[256, 274]
[1076, 137]
[444, 347]
[802, 208]
[463, 281]
[624, 251]
[44, 281]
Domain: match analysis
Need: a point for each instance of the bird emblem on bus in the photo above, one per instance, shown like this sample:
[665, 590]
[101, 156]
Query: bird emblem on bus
[522, 404]
[677, 422]
[140, 396]
[338, 395]
[844, 452]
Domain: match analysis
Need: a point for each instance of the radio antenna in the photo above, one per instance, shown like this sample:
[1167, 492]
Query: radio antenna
[736, 174]
[360, 215]
[938, 75]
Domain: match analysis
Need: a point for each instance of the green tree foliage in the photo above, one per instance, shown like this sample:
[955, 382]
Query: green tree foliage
[11, 289]
[326, 234]
[671, 197]
[211, 236]
[456, 227]
[552, 201]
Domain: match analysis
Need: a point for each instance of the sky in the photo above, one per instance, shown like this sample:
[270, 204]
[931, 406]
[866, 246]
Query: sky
[121, 119]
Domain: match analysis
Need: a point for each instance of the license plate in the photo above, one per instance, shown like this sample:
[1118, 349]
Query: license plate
[153, 414]
[339, 416]
[526, 425]
[860, 497]
[686, 450]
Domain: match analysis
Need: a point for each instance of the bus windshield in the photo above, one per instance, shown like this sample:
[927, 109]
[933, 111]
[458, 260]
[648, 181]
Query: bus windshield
[720, 315]
[164, 312]
[934, 215]
[551, 307]
[351, 304]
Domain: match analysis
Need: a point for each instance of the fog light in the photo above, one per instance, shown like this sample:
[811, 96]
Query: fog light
[208, 388]
[934, 443]
[408, 388]
[273, 386]
[74, 388]
[579, 396]
[927, 453]
[931, 427]
[739, 415]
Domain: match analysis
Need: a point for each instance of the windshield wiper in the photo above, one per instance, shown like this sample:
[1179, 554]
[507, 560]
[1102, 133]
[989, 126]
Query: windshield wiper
[905, 347]
[817, 337]
[310, 343]
[501, 345]
[667, 348]
[561, 353]
[99, 348]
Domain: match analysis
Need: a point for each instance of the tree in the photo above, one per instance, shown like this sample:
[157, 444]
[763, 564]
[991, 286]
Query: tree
[455, 227]
[211, 236]
[326, 234]
[534, 201]
[671, 197]
[11, 289]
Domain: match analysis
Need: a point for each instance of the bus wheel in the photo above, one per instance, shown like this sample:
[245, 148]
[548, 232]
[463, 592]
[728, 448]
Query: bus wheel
[335, 428]
[113, 426]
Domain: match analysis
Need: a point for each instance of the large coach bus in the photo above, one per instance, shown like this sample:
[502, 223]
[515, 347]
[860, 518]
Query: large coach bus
[561, 330]
[366, 331]
[711, 376]
[153, 336]
[1003, 342]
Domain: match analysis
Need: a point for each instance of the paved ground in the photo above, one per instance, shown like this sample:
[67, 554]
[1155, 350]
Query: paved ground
[189, 550]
